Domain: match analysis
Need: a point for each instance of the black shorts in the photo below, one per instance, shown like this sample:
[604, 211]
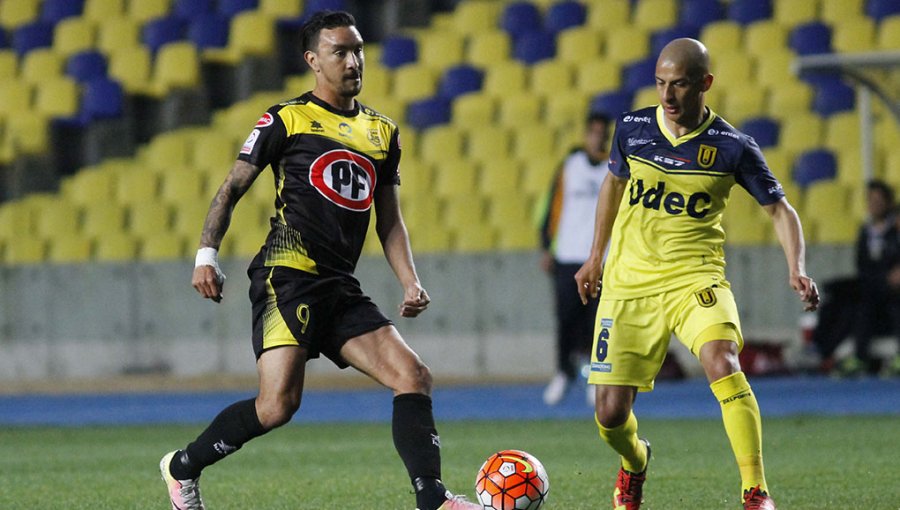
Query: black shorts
[318, 313]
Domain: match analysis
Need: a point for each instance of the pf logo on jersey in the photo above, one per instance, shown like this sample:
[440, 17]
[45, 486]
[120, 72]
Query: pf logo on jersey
[345, 178]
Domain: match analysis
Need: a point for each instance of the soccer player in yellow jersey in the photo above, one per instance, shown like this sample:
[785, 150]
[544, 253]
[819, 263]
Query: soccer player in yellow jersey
[672, 169]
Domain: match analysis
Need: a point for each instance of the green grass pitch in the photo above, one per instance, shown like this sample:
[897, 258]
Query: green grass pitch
[812, 463]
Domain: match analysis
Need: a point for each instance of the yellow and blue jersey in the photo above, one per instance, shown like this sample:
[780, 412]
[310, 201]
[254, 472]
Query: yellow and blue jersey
[668, 232]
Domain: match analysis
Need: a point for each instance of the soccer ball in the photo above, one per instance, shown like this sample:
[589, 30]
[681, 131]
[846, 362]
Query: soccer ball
[512, 480]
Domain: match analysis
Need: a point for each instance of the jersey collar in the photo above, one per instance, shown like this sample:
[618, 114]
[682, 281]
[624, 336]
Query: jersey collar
[337, 111]
[676, 141]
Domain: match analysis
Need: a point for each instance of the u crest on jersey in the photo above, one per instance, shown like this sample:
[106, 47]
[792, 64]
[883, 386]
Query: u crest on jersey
[706, 297]
[706, 156]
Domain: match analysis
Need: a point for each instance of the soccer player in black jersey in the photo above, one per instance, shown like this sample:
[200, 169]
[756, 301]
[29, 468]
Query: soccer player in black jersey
[333, 158]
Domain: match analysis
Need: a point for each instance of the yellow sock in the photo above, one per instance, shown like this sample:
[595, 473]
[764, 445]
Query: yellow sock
[624, 440]
[740, 413]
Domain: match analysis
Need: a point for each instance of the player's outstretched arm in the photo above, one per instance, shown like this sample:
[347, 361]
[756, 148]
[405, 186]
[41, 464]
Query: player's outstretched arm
[790, 235]
[588, 276]
[395, 242]
[208, 279]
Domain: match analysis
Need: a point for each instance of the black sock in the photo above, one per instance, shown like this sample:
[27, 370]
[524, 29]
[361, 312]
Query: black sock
[419, 445]
[234, 426]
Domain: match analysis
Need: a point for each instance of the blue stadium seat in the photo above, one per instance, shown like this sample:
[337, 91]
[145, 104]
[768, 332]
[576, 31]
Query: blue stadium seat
[814, 165]
[86, 66]
[535, 46]
[460, 80]
[37, 34]
[52, 11]
[748, 11]
[639, 74]
[763, 129]
[810, 38]
[4, 38]
[429, 112]
[879, 9]
[660, 38]
[210, 31]
[520, 18]
[699, 13]
[398, 50]
[833, 96]
[563, 15]
[163, 30]
[612, 104]
[102, 98]
[193, 9]
[229, 8]
[324, 5]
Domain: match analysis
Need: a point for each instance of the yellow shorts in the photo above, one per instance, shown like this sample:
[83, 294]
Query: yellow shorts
[631, 337]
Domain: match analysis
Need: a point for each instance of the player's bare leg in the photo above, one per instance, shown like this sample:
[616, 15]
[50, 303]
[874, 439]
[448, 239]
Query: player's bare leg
[618, 428]
[384, 356]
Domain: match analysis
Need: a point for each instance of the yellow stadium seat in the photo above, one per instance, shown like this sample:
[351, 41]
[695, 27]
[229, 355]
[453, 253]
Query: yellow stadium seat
[281, 8]
[137, 185]
[579, 45]
[565, 109]
[488, 48]
[28, 132]
[183, 185]
[57, 97]
[520, 109]
[791, 13]
[841, 129]
[250, 33]
[551, 77]
[509, 209]
[474, 17]
[16, 220]
[149, 218]
[189, 218]
[249, 219]
[889, 33]
[413, 82]
[850, 167]
[441, 143]
[474, 110]
[625, 44]
[741, 105]
[145, 10]
[517, 237]
[853, 35]
[499, 178]
[722, 37]
[837, 229]
[41, 64]
[9, 64]
[455, 178]
[18, 12]
[171, 149]
[764, 37]
[245, 246]
[177, 66]
[646, 96]
[537, 174]
[421, 212]
[25, 251]
[779, 162]
[822, 196]
[774, 68]
[474, 237]
[117, 33]
[115, 247]
[213, 150]
[103, 218]
[655, 14]
[487, 143]
[440, 49]
[69, 248]
[835, 12]
[792, 97]
[800, 132]
[103, 10]
[462, 211]
[430, 240]
[59, 219]
[162, 246]
[505, 78]
[732, 69]
[597, 76]
[376, 81]
[74, 34]
[131, 66]
[607, 14]
[88, 185]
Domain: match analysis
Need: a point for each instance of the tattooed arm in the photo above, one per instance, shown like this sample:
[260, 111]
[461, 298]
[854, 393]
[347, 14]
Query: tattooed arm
[208, 278]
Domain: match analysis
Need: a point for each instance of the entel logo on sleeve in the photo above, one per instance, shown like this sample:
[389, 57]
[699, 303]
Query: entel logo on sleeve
[344, 178]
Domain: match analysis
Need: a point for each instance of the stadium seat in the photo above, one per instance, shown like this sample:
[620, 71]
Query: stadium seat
[520, 109]
[564, 15]
[841, 130]
[810, 38]
[440, 49]
[189, 218]
[230, 8]
[9, 64]
[149, 218]
[182, 185]
[441, 143]
[36, 34]
[473, 18]
[103, 10]
[612, 103]
[398, 51]
[699, 13]
[131, 66]
[488, 144]
[722, 36]
[598, 76]
[68, 248]
[773, 69]
[15, 97]
[74, 35]
[779, 162]
[746, 12]
[473, 237]
[533, 47]
[487, 48]
[833, 96]
[101, 98]
[648, 96]
[639, 74]
[281, 8]
[115, 247]
[118, 33]
[764, 38]
[425, 113]
[664, 36]
[455, 178]
[162, 246]
[54, 11]
[414, 82]
[763, 129]
[855, 35]
[801, 132]
[164, 30]
[460, 80]
[18, 13]
[889, 34]
[324, 5]
[62, 218]
[534, 141]
[505, 77]
[177, 66]
[791, 13]
[208, 31]
[537, 174]
[814, 165]
[520, 18]
[249, 33]
[732, 70]
[838, 11]
[25, 251]
[507, 209]
[609, 14]
[145, 10]
[102, 218]
[551, 77]
[579, 45]
[41, 64]
[626, 44]
[881, 9]
[654, 15]
[86, 66]
[460, 211]
[474, 110]
[57, 97]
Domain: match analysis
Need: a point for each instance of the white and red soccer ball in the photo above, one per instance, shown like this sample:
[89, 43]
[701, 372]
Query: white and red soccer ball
[512, 480]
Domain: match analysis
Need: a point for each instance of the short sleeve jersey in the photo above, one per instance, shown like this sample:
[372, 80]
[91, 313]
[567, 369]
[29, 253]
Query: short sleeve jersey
[668, 231]
[327, 164]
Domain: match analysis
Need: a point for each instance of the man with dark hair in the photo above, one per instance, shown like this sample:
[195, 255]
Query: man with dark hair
[332, 159]
[566, 232]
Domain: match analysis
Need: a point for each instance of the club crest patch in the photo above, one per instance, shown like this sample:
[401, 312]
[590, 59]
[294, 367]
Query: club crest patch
[706, 297]
[706, 156]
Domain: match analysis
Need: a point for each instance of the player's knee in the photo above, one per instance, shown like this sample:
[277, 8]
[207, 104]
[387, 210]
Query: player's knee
[277, 411]
[719, 359]
[417, 379]
[611, 410]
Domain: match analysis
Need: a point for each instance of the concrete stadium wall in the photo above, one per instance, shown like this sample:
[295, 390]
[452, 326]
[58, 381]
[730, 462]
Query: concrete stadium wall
[491, 314]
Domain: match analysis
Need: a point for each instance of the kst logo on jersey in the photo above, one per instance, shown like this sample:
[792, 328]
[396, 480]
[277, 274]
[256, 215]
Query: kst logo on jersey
[345, 178]
[676, 162]
[696, 205]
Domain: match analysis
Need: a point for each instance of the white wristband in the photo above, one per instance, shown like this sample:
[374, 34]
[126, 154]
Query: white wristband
[209, 257]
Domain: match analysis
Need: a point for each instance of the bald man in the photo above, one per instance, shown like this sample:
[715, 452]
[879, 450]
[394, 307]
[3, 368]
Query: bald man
[665, 270]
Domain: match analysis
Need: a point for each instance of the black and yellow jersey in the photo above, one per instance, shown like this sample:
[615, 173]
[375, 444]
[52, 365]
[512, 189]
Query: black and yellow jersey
[668, 229]
[327, 164]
